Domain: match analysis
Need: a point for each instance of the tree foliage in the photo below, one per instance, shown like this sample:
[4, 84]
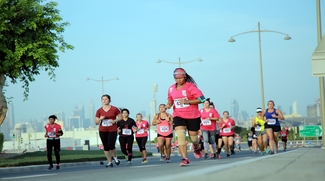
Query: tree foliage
[30, 38]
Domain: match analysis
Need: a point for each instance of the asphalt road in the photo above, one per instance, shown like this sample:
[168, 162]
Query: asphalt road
[153, 169]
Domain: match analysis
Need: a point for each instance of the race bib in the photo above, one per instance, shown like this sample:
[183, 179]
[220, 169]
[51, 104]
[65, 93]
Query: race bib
[178, 104]
[226, 130]
[51, 135]
[140, 131]
[126, 131]
[271, 122]
[284, 135]
[164, 129]
[258, 128]
[250, 139]
[106, 122]
[206, 122]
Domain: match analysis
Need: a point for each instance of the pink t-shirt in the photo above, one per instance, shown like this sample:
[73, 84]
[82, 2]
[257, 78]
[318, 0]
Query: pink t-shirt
[142, 132]
[164, 128]
[51, 131]
[227, 131]
[208, 125]
[189, 91]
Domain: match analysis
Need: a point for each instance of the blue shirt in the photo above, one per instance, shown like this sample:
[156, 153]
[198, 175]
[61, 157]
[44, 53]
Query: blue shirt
[271, 120]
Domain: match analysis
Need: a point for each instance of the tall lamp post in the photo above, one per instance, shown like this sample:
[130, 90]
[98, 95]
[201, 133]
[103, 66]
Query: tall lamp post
[180, 62]
[321, 79]
[102, 81]
[259, 31]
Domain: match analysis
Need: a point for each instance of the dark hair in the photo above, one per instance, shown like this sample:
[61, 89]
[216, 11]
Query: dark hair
[53, 117]
[189, 79]
[139, 114]
[125, 110]
[272, 102]
[225, 112]
[208, 99]
[108, 97]
[211, 104]
[162, 105]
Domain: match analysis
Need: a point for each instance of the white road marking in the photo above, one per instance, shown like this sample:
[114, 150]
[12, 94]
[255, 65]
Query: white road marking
[28, 176]
[144, 166]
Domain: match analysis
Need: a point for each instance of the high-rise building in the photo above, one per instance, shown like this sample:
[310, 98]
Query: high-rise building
[314, 109]
[76, 120]
[91, 112]
[294, 108]
[234, 109]
[10, 115]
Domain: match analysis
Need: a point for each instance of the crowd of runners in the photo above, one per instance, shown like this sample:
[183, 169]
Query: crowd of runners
[208, 132]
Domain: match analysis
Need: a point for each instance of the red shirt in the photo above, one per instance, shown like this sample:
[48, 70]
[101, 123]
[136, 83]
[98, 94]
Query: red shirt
[208, 125]
[284, 135]
[51, 131]
[105, 125]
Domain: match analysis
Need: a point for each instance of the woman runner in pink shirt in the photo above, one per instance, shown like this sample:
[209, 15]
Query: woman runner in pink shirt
[141, 136]
[184, 96]
[227, 132]
[164, 123]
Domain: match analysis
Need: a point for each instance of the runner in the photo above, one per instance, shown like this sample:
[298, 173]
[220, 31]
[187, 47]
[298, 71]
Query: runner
[141, 136]
[258, 122]
[250, 140]
[53, 132]
[126, 128]
[185, 97]
[254, 141]
[227, 132]
[164, 123]
[209, 119]
[106, 118]
[284, 138]
[238, 141]
[272, 126]
[219, 142]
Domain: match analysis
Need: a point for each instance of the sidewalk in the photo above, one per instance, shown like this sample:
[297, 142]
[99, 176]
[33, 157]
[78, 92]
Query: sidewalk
[301, 164]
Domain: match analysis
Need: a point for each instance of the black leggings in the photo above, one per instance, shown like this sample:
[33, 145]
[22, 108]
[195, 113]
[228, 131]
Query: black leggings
[142, 143]
[50, 144]
[129, 141]
[108, 140]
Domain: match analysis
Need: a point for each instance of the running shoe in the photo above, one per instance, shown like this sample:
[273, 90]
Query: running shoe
[206, 156]
[109, 165]
[167, 160]
[144, 161]
[228, 155]
[162, 158]
[58, 167]
[128, 163]
[184, 162]
[284, 150]
[219, 156]
[50, 168]
[276, 151]
[197, 153]
[211, 156]
[271, 152]
[126, 158]
[267, 150]
[214, 156]
[262, 153]
[117, 163]
[232, 152]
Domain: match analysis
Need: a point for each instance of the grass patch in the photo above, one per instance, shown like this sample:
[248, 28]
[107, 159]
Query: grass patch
[40, 157]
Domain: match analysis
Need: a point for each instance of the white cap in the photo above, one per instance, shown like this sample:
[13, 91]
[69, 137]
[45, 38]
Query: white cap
[258, 110]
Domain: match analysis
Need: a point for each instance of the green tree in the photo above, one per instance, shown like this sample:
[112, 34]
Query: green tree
[30, 38]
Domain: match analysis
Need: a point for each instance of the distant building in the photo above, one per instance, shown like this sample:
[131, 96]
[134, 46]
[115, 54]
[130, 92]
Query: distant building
[234, 109]
[91, 119]
[314, 109]
[76, 120]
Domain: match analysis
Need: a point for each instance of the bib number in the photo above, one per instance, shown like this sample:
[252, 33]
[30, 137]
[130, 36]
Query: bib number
[179, 105]
[106, 122]
[250, 139]
[271, 122]
[164, 129]
[226, 130]
[284, 135]
[206, 122]
[140, 131]
[258, 128]
[126, 131]
[51, 135]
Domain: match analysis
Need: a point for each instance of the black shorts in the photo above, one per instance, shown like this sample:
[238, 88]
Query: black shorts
[285, 141]
[168, 136]
[250, 143]
[274, 128]
[191, 124]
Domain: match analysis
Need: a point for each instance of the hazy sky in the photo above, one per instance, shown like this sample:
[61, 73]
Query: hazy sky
[124, 39]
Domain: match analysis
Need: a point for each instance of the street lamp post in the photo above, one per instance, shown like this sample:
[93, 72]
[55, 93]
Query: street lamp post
[259, 31]
[102, 81]
[180, 62]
